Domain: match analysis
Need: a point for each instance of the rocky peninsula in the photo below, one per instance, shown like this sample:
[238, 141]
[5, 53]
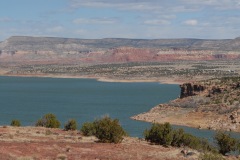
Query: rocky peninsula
[209, 104]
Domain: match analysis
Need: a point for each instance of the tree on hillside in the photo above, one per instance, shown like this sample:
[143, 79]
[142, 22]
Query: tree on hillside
[225, 142]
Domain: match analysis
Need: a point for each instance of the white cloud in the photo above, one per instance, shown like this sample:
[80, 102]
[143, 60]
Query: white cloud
[131, 19]
[55, 29]
[157, 22]
[191, 22]
[94, 21]
[170, 16]
[156, 5]
[108, 32]
[5, 19]
[80, 31]
[215, 4]
[140, 5]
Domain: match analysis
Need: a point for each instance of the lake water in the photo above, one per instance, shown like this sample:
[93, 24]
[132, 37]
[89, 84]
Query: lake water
[28, 99]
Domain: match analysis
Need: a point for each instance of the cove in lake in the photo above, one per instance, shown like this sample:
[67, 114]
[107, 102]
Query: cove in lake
[27, 99]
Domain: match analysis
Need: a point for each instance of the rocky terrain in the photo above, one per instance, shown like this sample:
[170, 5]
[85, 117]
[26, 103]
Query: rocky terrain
[38, 143]
[210, 104]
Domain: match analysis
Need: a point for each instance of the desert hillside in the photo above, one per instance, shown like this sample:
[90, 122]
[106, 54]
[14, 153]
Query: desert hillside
[38, 143]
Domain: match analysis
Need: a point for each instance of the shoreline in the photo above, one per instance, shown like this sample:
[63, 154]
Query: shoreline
[186, 117]
[100, 79]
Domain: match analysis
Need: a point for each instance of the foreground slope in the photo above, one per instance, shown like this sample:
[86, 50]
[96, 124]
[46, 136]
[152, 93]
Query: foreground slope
[46, 144]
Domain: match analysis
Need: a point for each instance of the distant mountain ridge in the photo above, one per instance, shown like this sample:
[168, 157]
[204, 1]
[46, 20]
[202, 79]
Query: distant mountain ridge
[71, 44]
[51, 50]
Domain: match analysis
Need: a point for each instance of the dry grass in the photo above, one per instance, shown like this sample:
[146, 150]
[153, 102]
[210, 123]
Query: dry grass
[32, 143]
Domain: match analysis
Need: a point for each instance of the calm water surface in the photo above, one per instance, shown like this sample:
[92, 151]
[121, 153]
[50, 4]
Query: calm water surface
[27, 99]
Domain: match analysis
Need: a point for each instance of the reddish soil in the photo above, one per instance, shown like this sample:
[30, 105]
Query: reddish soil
[37, 143]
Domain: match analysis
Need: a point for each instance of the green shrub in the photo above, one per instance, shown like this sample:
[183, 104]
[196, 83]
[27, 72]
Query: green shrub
[16, 123]
[160, 134]
[194, 142]
[210, 156]
[225, 142]
[205, 146]
[71, 125]
[191, 141]
[88, 129]
[163, 134]
[178, 136]
[108, 130]
[49, 121]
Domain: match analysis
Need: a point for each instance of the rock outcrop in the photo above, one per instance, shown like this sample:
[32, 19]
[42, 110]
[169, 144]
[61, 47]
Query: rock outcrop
[191, 89]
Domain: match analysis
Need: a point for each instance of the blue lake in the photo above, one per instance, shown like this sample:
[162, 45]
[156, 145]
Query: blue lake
[28, 99]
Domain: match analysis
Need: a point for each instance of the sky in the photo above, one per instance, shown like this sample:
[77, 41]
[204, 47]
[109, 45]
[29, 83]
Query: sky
[140, 19]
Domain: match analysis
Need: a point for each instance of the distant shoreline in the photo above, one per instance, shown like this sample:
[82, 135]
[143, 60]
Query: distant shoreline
[100, 79]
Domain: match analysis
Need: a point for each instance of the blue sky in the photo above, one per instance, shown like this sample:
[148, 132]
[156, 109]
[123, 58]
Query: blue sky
[151, 19]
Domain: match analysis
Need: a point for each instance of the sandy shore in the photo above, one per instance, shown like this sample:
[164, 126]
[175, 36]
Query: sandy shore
[162, 81]
[187, 117]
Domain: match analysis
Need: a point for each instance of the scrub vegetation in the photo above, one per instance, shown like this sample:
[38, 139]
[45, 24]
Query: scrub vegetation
[164, 134]
[49, 121]
[15, 123]
[108, 130]
[71, 125]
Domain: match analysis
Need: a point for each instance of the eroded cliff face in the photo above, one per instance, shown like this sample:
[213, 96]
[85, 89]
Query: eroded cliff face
[191, 89]
[65, 50]
[208, 90]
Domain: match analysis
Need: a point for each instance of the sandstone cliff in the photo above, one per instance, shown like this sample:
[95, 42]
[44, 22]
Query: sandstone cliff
[191, 89]
[47, 50]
